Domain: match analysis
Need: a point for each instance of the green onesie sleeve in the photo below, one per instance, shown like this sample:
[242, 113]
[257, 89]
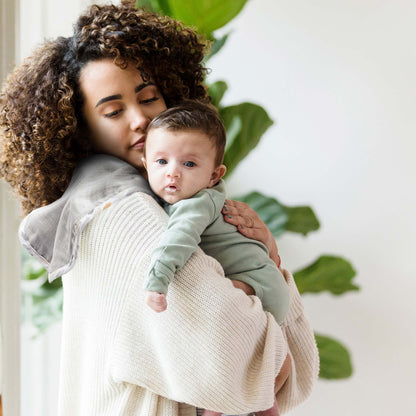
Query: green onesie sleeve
[187, 221]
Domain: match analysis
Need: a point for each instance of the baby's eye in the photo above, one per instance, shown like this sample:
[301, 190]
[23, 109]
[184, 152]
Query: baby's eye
[189, 164]
[161, 162]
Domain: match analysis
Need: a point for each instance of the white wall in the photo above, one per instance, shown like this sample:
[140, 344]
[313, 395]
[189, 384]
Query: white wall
[338, 78]
[9, 247]
[40, 19]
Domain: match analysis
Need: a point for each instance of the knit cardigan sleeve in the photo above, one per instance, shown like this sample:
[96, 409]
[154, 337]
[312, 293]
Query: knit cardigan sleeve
[214, 347]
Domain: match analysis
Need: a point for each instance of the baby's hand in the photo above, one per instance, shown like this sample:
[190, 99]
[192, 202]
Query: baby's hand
[157, 301]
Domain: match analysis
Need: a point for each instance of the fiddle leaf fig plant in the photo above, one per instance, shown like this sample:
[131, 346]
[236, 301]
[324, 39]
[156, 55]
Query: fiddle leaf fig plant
[280, 218]
[205, 15]
[245, 123]
[335, 362]
[328, 273]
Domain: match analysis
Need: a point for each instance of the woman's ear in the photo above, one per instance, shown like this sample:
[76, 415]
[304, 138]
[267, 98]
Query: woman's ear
[218, 173]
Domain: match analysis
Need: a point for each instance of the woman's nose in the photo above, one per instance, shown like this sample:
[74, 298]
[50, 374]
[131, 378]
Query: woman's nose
[139, 120]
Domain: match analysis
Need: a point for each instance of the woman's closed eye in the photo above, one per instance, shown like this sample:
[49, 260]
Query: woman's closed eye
[149, 100]
[112, 114]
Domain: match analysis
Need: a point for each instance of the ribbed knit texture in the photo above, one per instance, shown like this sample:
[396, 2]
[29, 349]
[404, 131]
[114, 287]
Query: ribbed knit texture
[213, 348]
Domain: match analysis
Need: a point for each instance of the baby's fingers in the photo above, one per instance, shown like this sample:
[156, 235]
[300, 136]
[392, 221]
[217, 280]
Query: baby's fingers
[157, 301]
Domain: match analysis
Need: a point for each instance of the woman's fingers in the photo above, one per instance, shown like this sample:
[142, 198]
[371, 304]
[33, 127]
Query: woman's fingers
[240, 214]
[254, 233]
[240, 221]
[250, 225]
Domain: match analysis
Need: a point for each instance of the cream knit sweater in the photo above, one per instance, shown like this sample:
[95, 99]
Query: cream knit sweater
[213, 348]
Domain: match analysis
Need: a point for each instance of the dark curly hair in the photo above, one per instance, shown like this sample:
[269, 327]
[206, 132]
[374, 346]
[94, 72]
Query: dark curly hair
[43, 134]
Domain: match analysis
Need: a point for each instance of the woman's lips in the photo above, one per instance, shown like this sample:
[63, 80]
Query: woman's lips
[139, 144]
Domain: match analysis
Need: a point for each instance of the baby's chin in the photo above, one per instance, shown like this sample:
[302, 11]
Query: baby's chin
[173, 196]
[171, 199]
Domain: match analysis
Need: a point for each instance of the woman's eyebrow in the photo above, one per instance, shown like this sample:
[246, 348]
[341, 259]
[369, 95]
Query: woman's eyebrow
[109, 98]
[119, 96]
[141, 86]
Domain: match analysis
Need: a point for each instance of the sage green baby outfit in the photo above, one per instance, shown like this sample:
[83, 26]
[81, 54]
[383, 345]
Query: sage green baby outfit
[198, 221]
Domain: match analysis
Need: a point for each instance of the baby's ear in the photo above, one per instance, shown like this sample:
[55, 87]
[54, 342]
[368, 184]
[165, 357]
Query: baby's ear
[144, 162]
[218, 173]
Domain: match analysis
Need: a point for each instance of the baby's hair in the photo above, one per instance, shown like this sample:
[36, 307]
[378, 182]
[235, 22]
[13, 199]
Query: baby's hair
[194, 115]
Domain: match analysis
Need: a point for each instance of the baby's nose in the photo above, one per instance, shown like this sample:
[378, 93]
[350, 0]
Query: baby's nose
[174, 172]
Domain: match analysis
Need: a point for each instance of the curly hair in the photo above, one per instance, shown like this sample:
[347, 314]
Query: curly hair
[43, 133]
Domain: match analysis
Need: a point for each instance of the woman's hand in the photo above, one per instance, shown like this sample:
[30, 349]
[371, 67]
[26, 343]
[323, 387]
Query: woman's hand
[250, 225]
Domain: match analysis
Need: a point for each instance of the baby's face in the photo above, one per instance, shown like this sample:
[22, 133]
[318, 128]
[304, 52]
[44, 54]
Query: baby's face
[180, 163]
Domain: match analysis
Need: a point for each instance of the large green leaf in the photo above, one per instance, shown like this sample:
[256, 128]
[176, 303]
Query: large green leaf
[216, 45]
[216, 91]
[151, 5]
[253, 121]
[205, 15]
[328, 273]
[278, 217]
[272, 212]
[301, 220]
[335, 362]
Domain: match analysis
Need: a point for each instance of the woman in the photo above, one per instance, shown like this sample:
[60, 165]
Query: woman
[72, 115]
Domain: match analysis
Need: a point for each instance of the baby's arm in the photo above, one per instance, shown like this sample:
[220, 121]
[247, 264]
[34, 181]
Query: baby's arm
[188, 219]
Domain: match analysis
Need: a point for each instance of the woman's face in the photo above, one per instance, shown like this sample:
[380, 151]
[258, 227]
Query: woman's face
[118, 106]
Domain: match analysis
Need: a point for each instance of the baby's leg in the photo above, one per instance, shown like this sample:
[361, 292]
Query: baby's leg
[273, 411]
[206, 412]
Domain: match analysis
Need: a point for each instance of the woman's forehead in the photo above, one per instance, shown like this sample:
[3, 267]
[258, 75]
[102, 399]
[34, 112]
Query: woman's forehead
[106, 69]
[104, 78]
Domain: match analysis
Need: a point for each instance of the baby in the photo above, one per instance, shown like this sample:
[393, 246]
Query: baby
[183, 157]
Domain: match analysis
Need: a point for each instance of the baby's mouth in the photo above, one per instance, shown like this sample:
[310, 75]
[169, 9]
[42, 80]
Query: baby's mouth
[172, 188]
